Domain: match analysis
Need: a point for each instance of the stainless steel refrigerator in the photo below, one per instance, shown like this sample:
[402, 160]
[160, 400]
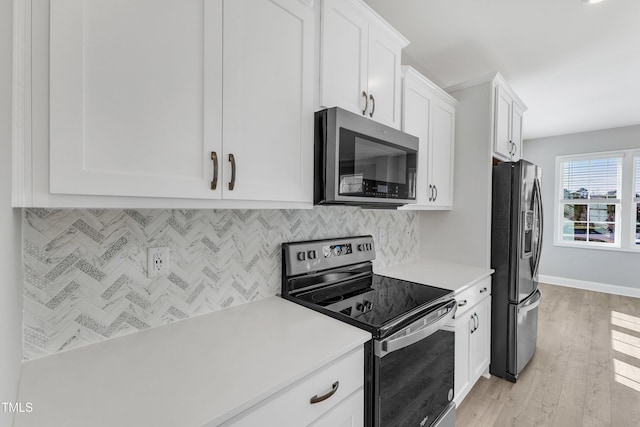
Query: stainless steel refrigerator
[516, 243]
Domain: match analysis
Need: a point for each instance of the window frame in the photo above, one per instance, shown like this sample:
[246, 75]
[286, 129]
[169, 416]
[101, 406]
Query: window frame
[624, 238]
[634, 200]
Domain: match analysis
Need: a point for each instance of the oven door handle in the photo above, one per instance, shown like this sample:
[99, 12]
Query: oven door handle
[382, 348]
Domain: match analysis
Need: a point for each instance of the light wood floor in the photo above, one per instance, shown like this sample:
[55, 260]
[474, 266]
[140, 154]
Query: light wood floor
[586, 370]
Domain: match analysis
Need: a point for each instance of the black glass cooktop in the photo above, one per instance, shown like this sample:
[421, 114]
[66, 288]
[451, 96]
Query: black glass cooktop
[376, 303]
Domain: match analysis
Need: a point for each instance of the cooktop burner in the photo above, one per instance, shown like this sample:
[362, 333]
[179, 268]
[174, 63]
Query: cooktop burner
[342, 284]
[376, 299]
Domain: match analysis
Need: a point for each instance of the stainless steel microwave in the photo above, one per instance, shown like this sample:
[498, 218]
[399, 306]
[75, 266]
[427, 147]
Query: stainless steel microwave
[361, 162]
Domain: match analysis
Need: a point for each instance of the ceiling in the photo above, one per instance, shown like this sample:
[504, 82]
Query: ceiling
[576, 66]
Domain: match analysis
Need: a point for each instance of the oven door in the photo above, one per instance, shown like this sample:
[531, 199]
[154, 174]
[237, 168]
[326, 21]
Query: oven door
[412, 380]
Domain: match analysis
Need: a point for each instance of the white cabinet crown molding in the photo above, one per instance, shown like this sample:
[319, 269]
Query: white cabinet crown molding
[373, 17]
[496, 79]
[408, 70]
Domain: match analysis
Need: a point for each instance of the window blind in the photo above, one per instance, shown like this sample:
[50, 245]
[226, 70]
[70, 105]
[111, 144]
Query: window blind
[592, 179]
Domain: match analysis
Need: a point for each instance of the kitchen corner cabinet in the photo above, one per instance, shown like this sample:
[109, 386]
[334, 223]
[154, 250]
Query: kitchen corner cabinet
[137, 91]
[360, 61]
[473, 337]
[429, 113]
[507, 134]
[337, 390]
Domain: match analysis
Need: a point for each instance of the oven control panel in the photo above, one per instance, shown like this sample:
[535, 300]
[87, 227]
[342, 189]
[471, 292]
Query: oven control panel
[315, 255]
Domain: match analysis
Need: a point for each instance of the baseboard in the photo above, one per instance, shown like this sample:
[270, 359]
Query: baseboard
[590, 286]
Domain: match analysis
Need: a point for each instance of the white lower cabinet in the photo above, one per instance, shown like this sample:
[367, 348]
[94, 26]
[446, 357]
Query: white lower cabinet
[473, 337]
[348, 413]
[340, 384]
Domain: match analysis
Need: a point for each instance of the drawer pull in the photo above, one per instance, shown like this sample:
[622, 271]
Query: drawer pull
[483, 290]
[316, 399]
[462, 303]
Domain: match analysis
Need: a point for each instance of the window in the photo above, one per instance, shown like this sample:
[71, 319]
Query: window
[590, 204]
[597, 202]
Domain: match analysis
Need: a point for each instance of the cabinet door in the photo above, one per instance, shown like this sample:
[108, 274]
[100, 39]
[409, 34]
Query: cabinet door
[516, 131]
[135, 97]
[463, 326]
[442, 146]
[348, 413]
[384, 78]
[502, 125]
[416, 106]
[268, 100]
[480, 351]
[343, 78]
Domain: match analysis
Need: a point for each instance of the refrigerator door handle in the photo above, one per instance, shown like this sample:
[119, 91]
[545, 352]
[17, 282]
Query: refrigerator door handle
[536, 302]
[539, 225]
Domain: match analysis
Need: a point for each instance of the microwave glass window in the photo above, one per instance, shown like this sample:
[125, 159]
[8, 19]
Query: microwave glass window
[370, 167]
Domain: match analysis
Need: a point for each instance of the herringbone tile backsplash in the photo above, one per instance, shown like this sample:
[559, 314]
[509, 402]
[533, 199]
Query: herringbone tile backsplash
[85, 269]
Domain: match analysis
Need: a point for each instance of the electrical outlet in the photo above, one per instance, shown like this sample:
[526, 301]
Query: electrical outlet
[157, 261]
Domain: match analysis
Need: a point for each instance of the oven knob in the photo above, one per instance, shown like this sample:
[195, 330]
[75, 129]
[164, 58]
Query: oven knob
[368, 305]
[312, 254]
[302, 256]
[360, 307]
[361, 247]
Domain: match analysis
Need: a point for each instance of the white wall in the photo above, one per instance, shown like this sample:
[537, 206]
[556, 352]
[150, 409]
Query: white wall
[582, 265]
[10, 246]
[463, 235]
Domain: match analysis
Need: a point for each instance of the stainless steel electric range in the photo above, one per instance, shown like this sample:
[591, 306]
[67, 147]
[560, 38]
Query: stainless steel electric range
[409, 362]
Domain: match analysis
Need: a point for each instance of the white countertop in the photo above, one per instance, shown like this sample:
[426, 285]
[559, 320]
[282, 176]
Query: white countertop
[456, 277]
[205, 369]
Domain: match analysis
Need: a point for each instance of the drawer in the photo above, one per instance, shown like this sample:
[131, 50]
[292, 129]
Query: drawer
[473, 295]
[292, 407]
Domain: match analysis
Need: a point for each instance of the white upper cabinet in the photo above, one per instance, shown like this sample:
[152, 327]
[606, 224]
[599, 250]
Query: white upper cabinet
[517, 112]
[135, 92]
[507, 132]
[136, 101]
[360, 61]
[429, 113]
[268, 99]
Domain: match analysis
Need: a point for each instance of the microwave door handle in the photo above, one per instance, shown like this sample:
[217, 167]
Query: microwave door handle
[385, 347]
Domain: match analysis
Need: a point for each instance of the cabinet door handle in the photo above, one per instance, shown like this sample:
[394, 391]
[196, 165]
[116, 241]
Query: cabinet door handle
[430, 192]
[473, 328]
[462, 303]
[232, 183]
[214, 181]
[436, 193]
[366, 102]
[373, 105]
[483, 290]
[515, 148]
[477, 320]
[334, 388]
